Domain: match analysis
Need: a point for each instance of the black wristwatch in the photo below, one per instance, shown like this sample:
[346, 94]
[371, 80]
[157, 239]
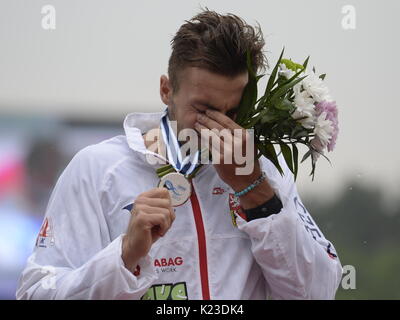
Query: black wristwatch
[272, 206]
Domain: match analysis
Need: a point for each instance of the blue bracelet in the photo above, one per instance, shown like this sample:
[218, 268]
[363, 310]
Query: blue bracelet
[252, 186]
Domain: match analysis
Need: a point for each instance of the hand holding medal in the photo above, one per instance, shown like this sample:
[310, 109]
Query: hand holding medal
[152, 216]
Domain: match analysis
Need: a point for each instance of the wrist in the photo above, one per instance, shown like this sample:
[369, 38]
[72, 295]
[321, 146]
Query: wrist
[129, 259]
[241, 182]
[257, 196]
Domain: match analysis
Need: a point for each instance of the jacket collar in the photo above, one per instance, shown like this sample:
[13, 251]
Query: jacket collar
[138, 123]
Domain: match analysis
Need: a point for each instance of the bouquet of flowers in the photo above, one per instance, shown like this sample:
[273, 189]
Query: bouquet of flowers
[296, 108]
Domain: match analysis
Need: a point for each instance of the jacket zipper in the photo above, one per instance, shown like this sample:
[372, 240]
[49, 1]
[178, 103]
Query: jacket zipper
[201, 240]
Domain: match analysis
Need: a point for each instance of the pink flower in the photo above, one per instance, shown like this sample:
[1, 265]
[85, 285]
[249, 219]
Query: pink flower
[331, 111]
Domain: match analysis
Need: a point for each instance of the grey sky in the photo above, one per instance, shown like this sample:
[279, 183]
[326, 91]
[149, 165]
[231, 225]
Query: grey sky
[105, 58]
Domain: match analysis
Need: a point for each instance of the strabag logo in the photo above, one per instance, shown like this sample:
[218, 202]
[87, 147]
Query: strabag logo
[167, 264]
[45, 237]
[168, 291]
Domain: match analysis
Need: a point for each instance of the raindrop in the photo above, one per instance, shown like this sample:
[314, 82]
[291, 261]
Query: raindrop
[351, 188]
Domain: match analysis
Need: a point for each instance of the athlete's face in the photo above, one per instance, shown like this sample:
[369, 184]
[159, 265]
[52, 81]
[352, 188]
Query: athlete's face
[199, 90]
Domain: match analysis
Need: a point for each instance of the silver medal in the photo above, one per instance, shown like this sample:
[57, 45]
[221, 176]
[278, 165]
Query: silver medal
[178, 186]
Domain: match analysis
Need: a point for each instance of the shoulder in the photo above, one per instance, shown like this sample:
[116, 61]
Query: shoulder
[94, 161]
[104, 153]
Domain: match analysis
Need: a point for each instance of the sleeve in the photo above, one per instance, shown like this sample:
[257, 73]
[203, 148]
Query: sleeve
[297, 261]
[74, 257]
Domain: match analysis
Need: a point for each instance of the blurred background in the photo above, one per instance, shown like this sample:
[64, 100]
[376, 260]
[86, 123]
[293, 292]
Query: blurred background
[67, 85]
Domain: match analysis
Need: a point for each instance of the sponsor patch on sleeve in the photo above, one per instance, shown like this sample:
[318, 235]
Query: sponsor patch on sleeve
[46, 236]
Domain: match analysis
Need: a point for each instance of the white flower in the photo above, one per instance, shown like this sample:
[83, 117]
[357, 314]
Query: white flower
[323, 129]
[287, 73]
[307, 121]
[316, 88]
[304, 107]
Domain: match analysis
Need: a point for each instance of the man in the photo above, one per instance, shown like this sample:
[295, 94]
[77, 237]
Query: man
[111, 233]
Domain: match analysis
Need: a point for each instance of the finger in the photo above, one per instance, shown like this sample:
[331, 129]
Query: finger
[209, 122]
[216, 147]
[154, 202]
[224, 134]
[168, 212]
[144, 209]
[220, 142]
[150, 204]
[156, 193]
[155, 220]
[173, 214]
[222, 119]
[205, 135]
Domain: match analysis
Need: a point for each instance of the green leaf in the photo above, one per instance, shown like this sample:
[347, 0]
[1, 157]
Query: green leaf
[306, 156]
[292, 65]
[269, 94]
[272, 77]
[248, 99]
[299, 132]
[320, 153]
[322, 76]
[269, 117]
[269, 152]
[287, 155]
[295, 76]
[250, 124]
[306, 63]
[282, 90]
[312, 174]
[295, 160]
[285, 105]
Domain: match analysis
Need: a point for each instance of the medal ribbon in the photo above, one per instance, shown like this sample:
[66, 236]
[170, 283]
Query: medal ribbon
[186, 165]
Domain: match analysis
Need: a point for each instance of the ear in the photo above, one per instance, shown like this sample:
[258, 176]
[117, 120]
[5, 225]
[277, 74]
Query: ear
[165, 90]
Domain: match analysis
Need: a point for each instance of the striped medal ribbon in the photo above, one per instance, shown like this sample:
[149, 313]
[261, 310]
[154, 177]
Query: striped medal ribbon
[175, 178]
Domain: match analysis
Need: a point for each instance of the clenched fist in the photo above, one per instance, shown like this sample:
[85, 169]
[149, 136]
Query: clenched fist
[152, 216]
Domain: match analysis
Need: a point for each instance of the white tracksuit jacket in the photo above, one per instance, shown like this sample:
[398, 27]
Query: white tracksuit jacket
[203, 256]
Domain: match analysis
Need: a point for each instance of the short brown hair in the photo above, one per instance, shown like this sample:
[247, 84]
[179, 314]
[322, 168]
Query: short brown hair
[217, 43]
